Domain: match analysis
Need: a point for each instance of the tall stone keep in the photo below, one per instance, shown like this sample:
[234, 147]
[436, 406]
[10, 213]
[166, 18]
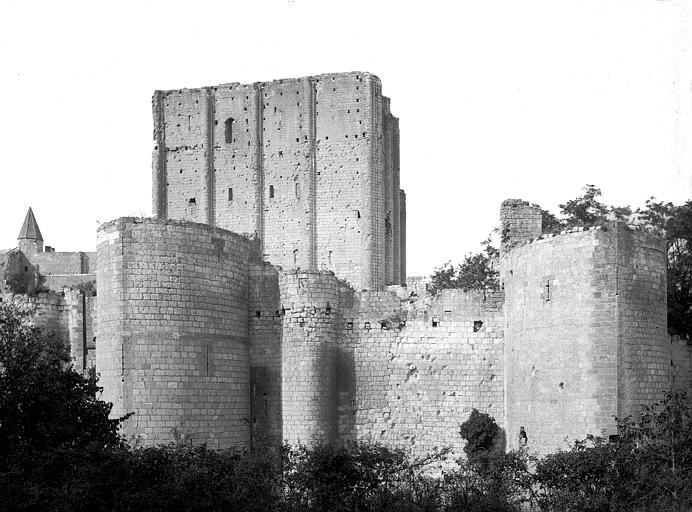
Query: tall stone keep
[310, 166]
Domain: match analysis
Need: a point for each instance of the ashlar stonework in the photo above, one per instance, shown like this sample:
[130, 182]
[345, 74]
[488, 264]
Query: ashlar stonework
[268, 300]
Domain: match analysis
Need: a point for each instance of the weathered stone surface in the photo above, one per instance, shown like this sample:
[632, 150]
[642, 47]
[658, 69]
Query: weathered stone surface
[308, 165]
[305, 329]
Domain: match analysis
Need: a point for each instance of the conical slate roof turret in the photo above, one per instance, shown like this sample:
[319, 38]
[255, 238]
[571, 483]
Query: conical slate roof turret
[30, 228]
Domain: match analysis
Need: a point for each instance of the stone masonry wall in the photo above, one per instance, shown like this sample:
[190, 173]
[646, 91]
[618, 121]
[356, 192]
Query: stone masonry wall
[309, 165]
[585, 332]
[173, 329]
[50, 311]
[644, 350]
[60, 262]
[63, 313]
[265, 320]
[410, 374]
[560, 339]
[519, 222]
[308, 355]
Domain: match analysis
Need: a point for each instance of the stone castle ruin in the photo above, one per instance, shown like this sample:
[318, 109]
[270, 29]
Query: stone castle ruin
[267, 299]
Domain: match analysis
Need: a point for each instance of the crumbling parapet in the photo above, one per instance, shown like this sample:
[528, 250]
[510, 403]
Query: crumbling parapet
[520, 221]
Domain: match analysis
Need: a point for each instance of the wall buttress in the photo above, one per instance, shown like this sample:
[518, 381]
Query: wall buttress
[259, 165]
[210, 175]
[159, 178]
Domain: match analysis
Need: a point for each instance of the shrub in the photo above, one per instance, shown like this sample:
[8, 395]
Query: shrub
[42, 404]
[648, 467]
[480, 431]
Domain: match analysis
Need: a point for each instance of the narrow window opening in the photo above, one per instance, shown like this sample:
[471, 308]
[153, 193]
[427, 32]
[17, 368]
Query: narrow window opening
[358, 214]
[297, 190]
[228, 131]
[477, 324]
[295, 256]
[230, 194]
[549, 287]
[271, 191]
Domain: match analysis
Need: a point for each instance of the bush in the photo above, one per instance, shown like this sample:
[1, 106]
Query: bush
[42, 404]
[479, 431]
[165, 478]
[648, 467]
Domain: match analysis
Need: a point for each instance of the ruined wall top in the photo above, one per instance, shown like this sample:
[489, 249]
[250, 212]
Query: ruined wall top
[520, 221]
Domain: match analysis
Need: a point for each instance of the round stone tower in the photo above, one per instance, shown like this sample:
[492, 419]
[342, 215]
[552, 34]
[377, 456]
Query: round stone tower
[308, 356]
[585, 333]
[173, 344]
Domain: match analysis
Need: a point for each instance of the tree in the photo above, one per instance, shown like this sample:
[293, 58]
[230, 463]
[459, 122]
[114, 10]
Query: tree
[584, 211]
[676, 224]
[480, 431]
[647, 466]
[476, 272]
[43, 402]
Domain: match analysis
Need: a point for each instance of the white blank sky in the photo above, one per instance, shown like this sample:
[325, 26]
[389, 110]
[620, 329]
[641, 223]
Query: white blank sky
[524, 99]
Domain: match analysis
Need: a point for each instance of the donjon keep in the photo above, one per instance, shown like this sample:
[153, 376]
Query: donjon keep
[267, 300]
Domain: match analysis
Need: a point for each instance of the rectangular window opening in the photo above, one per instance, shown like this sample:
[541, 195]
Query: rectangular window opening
[271, 191]
[230, 194]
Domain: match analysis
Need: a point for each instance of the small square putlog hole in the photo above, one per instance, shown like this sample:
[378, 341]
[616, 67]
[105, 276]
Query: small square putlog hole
[477, 325]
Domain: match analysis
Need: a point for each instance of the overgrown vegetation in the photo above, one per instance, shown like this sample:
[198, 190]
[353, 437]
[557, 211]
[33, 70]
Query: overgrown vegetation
[60, 452]
[479, 431]
[649, 466]
[476, 272]
[28, 283]
[41, 402]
